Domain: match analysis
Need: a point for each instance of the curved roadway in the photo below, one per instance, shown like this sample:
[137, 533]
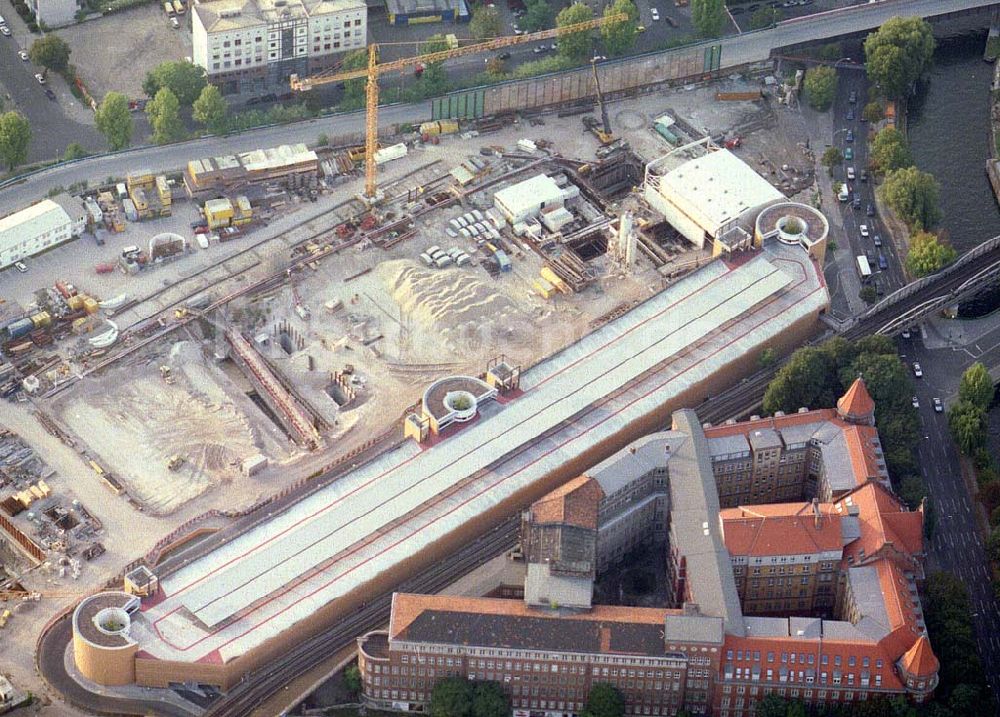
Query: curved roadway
[737, 50]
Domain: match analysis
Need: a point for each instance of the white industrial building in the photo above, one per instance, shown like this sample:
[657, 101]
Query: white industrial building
[247, 46]
[528, 198]
[39, 227]
[704, 196]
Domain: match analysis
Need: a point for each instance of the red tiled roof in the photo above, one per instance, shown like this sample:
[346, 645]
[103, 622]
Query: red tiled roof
[920, 660]
[781, 529]
[882, 520]
[857, 401]
[775, 422]
[573, 503]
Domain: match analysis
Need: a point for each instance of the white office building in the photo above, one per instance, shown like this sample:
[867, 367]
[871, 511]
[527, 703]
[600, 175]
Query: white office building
[39, 227]
[54, 13]
[248, 46]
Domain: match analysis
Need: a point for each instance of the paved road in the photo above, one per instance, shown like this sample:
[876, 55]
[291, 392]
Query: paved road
[853, 79]
[28, 98]
[956, 545]
[737, 50]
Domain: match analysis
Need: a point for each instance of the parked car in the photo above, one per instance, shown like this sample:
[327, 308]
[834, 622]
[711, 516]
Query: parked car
[850, 172]
[19, 265]
[915, 401]
[4, 30]
[917, 371]
[938, 406]
[40, 77]
[863, 228]
[174, 23]
[906, 333]
[654, 13]
[23, 55]
[671, 21]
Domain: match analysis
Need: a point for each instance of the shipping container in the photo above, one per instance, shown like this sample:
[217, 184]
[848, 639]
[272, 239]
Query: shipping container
[21, 327]
[395, 151]
[41, 319]
[447, 126]
[477, 214]
[131, 213]
[169, 9]
[426, 259]
[178, 7]
[442, 261]
[105, 268]
[502, 259]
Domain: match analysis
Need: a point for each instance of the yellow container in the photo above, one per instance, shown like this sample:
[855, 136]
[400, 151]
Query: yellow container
[544, 288]
[448, 126]
[75, 302]
[41, 319]
[218, 212]
[90, 305]
[554, 279]
[431, 128]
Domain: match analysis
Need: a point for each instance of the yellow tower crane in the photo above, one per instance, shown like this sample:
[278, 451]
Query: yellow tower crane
[376, 70]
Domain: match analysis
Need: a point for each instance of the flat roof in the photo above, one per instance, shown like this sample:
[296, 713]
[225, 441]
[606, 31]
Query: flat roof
[223, 15]
[528, 194]
[31, 221]
[363, 524]
[716, 188]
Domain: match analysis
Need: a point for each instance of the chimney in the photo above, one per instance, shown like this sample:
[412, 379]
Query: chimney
[816, 512]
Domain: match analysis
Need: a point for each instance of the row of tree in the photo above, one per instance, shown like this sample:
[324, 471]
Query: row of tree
[458, 697]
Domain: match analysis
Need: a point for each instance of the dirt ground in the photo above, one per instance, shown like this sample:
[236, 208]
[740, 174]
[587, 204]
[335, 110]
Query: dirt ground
[115, 52]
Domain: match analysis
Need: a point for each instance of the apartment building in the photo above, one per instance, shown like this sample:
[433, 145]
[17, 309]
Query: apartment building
[805, 455]
[843, 624]
[248, 46]
[40, 227]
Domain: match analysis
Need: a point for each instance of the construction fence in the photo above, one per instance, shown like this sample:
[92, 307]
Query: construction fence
[619, 76]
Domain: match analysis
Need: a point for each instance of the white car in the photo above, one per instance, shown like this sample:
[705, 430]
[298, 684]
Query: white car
[19, 265]
[917, 371]
[938, 406]
[40, 77]
[915, 401]
[864, 230]
[850, 172]
[4, 30]
[23, 55]
[654, 13]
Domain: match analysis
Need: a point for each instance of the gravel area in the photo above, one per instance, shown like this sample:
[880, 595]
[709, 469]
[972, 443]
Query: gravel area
[116, 52]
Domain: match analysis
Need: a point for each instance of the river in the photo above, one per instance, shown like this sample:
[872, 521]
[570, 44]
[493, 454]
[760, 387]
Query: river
[949, 133]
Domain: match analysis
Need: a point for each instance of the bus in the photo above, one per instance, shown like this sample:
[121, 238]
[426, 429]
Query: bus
[864, 269]
[169, 9]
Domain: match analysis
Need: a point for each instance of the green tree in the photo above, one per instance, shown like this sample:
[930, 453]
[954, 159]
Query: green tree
[354, 90]
[912, 490]
[164, 117]
[51, 52]
[913, 195]
[485, 23]
[898, 53]
[184, 79]
[976, 386]
[765, 17]
[15, 136]
[210, 109]
[604, 700]
[993, 544]
[352, 678]
[821, 86]
[619, 37]
[537, 16]
[767, 357]
[115, 121]
[451, 697]
[488, 700]
[967, 422]
[772, 705]
[434, 79]
[74, 150]
[873, 111]
[928, 254]
[868, 294]
[890, 150]
[832, 157]
[575, 46]
[708, 17]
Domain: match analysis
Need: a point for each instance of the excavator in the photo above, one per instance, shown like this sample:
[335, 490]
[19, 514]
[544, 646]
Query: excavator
[603, 133]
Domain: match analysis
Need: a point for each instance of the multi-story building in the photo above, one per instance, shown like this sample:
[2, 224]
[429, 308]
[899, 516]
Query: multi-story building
[40, 227]
[248, 46]
[843, 624]
[805, 455]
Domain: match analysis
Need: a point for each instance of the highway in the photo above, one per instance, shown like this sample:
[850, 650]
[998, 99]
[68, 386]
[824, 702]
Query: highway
[955, 545]
[737, 50]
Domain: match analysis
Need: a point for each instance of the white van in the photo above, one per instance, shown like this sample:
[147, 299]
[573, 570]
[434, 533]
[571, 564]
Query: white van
[844, 195]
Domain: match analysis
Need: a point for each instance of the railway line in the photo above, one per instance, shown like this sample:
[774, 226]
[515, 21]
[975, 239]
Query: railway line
[257, 687]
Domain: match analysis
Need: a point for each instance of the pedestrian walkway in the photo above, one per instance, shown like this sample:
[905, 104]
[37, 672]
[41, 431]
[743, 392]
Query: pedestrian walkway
[942, 333]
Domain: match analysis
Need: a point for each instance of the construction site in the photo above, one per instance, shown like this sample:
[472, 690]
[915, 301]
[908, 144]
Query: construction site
[256, 321]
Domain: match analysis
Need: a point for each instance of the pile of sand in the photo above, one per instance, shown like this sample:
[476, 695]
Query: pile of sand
[454, 304]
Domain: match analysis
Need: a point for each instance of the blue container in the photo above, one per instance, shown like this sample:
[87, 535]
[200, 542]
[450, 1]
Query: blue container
[21, 327]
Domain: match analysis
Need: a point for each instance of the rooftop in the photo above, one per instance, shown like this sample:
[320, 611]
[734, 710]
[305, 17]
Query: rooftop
[782, 529]
[279, 572]
[222, 15]
[573, 503]
[39, 218]
[716, 188]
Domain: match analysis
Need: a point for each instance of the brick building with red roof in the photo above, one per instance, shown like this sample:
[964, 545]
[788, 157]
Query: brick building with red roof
[814, 599]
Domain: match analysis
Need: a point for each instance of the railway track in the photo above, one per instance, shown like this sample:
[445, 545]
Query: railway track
[255, 688]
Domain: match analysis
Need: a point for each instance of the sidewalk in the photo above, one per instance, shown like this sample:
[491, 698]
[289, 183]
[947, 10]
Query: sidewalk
[941, 333]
